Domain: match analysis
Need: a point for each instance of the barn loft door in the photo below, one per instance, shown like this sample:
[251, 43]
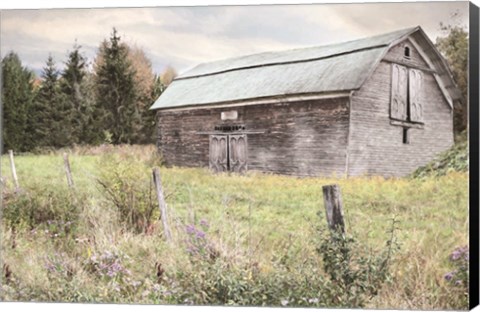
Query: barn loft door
[237, 152]
[398, 108]
[228, 153]
[218, 153]
[415, 88]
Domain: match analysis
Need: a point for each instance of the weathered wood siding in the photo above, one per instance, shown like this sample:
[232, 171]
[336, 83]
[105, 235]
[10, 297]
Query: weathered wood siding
[375, 146]
[396, 53]
[307, 138]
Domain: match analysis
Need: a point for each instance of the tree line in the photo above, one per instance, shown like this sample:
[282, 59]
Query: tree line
[108, 102]
[81, 104]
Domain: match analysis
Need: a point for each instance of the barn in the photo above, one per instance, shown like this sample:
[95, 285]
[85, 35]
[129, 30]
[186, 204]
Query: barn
[381, 105]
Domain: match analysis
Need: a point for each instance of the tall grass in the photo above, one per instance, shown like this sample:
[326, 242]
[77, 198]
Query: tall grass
[255, 233]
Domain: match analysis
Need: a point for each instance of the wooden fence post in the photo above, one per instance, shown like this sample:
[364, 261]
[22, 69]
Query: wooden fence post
[334, 207]
[14, 171]
[161, 203]
[68, 171]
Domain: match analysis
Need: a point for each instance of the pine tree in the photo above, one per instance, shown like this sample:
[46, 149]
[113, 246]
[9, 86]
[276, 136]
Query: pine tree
[17, 95]
[116, 91]
[70, 86]
[51, 115]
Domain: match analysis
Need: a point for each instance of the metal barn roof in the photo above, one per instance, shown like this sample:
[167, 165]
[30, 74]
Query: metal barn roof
[331, 68]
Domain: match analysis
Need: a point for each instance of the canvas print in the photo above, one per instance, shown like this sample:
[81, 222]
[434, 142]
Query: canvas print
[272, 155]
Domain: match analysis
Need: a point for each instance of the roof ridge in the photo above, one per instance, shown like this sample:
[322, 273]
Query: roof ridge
[283, 63]
[280, 53]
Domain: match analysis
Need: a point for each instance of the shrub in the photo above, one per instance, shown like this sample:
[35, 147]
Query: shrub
[128, 185]
[458, 279]
[54, 208]
[454, 159]
[356, 272]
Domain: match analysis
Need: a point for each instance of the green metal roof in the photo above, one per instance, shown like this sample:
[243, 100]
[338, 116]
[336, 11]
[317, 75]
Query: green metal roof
[331, 68]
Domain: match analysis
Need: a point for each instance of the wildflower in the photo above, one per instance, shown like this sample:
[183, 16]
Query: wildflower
[116, 287]
[284, 302]
[50, 267]
[200, 234]
[449, 276]
[145, 293]
[136, 283]
[459, 252]
[156, 287]
[313, 300]
[190, 229]
[204, 223]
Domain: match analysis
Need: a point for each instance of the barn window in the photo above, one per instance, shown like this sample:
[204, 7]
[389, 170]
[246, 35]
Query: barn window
[406, 52]
[406, 139]
[406, 101]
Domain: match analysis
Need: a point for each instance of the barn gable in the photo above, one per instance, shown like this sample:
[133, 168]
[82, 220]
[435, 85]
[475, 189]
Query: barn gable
[301, 72]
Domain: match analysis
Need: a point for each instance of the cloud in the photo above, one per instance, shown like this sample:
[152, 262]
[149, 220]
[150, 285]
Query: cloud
[185, 36]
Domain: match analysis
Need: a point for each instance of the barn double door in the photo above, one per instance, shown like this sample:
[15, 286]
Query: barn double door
[228, 152]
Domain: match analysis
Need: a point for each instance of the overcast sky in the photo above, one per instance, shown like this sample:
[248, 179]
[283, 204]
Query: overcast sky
[185, 36]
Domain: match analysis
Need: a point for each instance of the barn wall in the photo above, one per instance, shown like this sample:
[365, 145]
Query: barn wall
[300, 138]
[376, 147]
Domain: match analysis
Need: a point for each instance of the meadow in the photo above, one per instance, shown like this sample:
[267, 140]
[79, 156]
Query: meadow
[253, 239]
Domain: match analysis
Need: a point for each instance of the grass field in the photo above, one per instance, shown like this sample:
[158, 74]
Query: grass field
[253, 222]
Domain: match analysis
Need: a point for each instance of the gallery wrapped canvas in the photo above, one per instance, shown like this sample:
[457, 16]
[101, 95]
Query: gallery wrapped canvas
[307, 155]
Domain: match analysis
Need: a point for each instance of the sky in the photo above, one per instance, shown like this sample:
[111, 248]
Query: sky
[182, 37]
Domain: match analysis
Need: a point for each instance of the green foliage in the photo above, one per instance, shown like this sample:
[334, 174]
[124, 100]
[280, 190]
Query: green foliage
[356, 273]
[454, 47]
[454, 159]
[51, 116]
[79, 106]
[458, 280]
[116, 91]
[259, 248]
[52, 208]
[77, 86]
[126, 183]
[17, 94]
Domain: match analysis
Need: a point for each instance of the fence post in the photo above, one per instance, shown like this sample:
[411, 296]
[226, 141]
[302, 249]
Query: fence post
[68, 171]
[14, 171]
[161, 203]
[334, 207]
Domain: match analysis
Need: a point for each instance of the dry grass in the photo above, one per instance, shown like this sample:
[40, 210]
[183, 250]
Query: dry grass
[253, 219]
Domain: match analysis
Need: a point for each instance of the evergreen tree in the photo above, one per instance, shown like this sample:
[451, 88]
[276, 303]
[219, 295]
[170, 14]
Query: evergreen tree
[70, 85]
[91, 132]
[17, 95]
[51, 115]
[116, 92]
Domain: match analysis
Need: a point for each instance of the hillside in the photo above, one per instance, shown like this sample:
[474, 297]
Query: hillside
[454, 159]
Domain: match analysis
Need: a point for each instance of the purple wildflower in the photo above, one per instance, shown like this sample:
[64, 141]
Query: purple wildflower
[50, 267]
[459, 252]
[449, 276]
[204, 223]
[200, 234]
[190, 229]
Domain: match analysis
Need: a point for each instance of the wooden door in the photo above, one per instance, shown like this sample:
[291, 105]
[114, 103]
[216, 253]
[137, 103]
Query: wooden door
[415, 89]
[237, 150]
[398, 106]
[218, 153]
